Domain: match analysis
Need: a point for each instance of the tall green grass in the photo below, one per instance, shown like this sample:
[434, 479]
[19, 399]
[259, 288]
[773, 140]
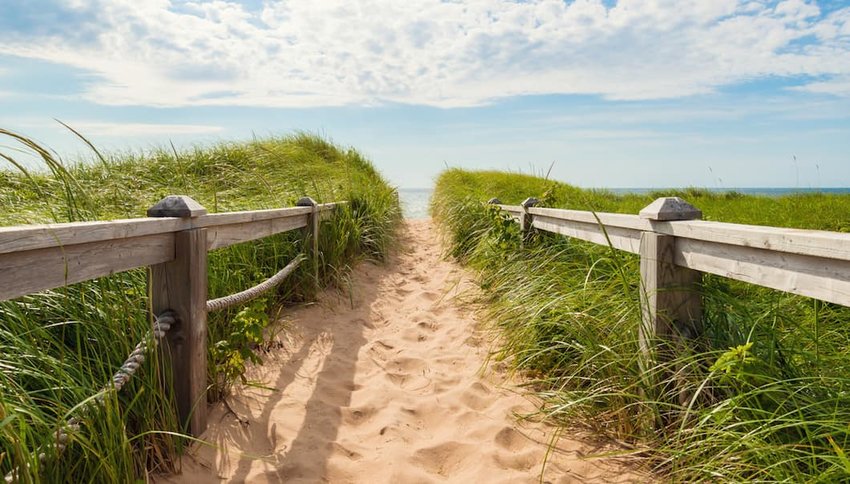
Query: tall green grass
[60, 347]
[767, 386]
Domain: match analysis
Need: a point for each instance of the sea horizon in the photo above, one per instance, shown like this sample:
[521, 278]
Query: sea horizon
[414, 201]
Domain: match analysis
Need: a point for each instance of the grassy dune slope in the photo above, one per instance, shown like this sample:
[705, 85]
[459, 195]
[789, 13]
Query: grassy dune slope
[770, 379]
[60, 347]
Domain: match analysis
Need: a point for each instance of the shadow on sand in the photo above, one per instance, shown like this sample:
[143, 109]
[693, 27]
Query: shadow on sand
[331, 336]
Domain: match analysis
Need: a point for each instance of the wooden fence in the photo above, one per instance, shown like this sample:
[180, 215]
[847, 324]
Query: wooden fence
[676, 248]
[173, 242]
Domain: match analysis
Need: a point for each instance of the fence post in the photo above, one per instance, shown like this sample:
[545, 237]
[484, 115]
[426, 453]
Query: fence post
[671, 304]
[312, 235]
[181, 286]
[526, 218]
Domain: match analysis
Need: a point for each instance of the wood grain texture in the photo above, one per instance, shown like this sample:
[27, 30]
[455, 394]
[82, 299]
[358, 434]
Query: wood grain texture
[620, 238]
[512, 209]
[181, 286]
[796, 241]
[31, 271]
[671, 302]
[231, 218]
[817, 277]
[525, 217]
[819, 243]
[31, 237]
[607, 219]
[41, 236]
[313, 238]
[327, 211]
[226, 235]
[671, 309]
[330, 207]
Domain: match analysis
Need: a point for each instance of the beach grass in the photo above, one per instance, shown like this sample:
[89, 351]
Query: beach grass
[767, 385]
[58, 348]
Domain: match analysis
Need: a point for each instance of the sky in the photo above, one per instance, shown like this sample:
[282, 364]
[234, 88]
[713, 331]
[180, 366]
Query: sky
[598, 93]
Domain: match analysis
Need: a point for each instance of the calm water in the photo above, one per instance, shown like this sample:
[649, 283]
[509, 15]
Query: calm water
[414, 201]
[771, 192]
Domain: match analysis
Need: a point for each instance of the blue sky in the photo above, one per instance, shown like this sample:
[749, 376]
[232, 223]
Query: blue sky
[629, 93]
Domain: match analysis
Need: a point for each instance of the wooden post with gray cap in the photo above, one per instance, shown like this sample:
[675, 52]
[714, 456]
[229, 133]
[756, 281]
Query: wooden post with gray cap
[525, 221]
[312, 235]
[671, 305]
[181, 286]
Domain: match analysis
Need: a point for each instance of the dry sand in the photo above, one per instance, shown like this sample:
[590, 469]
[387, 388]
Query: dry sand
[385, 384]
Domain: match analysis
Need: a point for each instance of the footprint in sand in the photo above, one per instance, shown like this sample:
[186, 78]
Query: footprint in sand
[410, 383]
[519, 461]
[511, 439]
[445, 384]
[431, 326]
[381, 351]
[477, 397]
[408, 365]
[440, 311]
[359, 415]
[414, 335]
[445, 459]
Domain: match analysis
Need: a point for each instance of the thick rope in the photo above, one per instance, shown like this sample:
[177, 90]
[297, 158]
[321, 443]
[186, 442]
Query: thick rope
[248, 294]
[161, 326]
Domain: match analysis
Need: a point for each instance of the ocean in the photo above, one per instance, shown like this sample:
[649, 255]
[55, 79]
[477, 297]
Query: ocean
[414, 201]
[769, 192]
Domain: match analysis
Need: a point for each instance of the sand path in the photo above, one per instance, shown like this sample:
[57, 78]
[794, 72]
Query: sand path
[385, 385]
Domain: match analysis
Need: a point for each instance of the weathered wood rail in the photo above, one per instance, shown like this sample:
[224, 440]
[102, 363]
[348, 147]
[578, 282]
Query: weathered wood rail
[676, 248]
[173, 242]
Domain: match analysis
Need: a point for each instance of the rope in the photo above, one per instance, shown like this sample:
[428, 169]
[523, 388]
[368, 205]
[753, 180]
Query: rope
[248, 294]
[161, 326]
[134, 361]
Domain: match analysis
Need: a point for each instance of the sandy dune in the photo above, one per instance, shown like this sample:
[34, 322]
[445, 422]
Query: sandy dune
[385, 385]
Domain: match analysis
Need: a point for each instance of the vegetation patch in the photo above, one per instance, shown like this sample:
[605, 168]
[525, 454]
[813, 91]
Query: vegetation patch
[767, 385]
[60, 347]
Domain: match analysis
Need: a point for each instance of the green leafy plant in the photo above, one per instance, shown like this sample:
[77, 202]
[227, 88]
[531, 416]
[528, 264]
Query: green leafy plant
[735, 362]
[246, 334]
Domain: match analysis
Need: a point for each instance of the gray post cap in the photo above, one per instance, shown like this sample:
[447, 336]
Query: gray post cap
[177, 206]
[529, 202]
[494, 201]
[670, 208]
[305, 202]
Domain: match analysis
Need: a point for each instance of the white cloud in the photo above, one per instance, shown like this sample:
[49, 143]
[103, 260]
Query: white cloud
[432, 52]
[839, 86]
[95, 128]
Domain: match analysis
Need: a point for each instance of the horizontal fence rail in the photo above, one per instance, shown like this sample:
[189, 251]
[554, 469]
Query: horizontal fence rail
[39, 257]
[676, 248]
[173, 242]
[810, 263]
